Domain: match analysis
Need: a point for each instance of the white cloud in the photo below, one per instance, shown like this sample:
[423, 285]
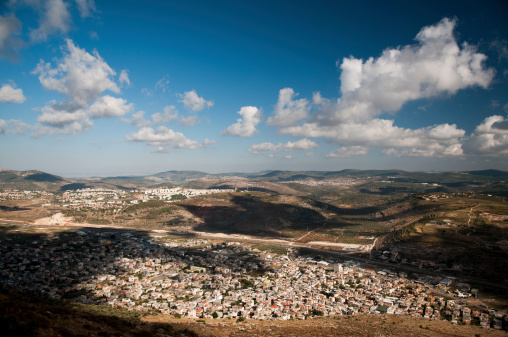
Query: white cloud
[9, 94]
[146, 92]
[288, 157]
[86, 7]
[82, 77]
[54, 120]
[162, 84]
[167, 116]
[10, 27]
[138, 119]
[189, 121]
[246, 125]
[165, 140]
[54, 18]
[59, 121]
[124, 78]
[302, 144]
[489, 138]
[79, 75]
[435, 66]
[3, 126]
[61, 118]
[438, 140]
[287, 110]
[13, 126]
[348, 151]
[108, 106]
[192, 102]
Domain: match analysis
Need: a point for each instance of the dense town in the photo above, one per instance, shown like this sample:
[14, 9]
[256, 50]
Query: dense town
[203, 279]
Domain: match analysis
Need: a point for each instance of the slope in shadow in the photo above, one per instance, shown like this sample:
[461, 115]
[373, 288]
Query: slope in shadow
[252, 216]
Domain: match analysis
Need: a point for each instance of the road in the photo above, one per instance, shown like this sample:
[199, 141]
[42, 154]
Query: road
[290, 244]
[349, 256]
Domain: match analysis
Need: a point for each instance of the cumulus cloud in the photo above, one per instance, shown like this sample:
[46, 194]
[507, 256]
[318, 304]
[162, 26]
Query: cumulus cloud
[55, 18]
[165, 140]
[288, 110]
[439, 140]
[79, 75]
[192, 102]
[189, 120]
[82, 77]
[108, 106]
[138, 118]
[435, 66]
[246, 125]
[14, 126]
[167, 116]
[9, 94]
[10, 28]
[61, 121]
[489, 138]
[302, 144]
[348, 151]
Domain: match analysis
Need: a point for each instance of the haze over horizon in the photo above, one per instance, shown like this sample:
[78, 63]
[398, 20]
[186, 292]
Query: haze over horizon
[98, 88]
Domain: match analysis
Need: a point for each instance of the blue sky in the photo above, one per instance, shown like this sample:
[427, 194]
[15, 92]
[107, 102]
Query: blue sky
[127, 87]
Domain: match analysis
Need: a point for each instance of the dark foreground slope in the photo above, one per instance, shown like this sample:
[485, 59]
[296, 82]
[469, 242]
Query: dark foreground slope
[24, 315]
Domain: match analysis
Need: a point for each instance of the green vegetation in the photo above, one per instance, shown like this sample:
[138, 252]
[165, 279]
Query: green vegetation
[178, 197]
[144, 205]
[247, 283]
[280, 250]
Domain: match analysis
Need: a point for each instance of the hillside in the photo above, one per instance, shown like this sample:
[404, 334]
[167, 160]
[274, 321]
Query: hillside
[25, 315]
[30, 180]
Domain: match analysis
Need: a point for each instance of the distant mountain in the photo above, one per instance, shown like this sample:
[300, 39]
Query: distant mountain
[181, 175]
[489, 173]
[37, 180]
[30, 180]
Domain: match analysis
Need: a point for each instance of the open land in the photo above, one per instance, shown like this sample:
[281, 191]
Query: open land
[273, 249]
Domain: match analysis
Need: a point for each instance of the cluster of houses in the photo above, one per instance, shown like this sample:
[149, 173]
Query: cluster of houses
[170, 193]
[201, 279]
[326, 182]
[94, 198]
[23, 195]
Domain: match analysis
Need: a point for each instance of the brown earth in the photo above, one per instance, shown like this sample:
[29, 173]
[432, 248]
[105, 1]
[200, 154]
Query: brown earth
[375, 326]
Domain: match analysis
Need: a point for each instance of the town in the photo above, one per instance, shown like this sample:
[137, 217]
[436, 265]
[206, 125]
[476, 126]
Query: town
[198, 278]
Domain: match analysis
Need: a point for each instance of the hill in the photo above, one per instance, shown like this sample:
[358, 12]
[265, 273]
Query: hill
[27, 315]
[30, 180]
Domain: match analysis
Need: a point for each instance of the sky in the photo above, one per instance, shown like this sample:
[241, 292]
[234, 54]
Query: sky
[105, 88]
